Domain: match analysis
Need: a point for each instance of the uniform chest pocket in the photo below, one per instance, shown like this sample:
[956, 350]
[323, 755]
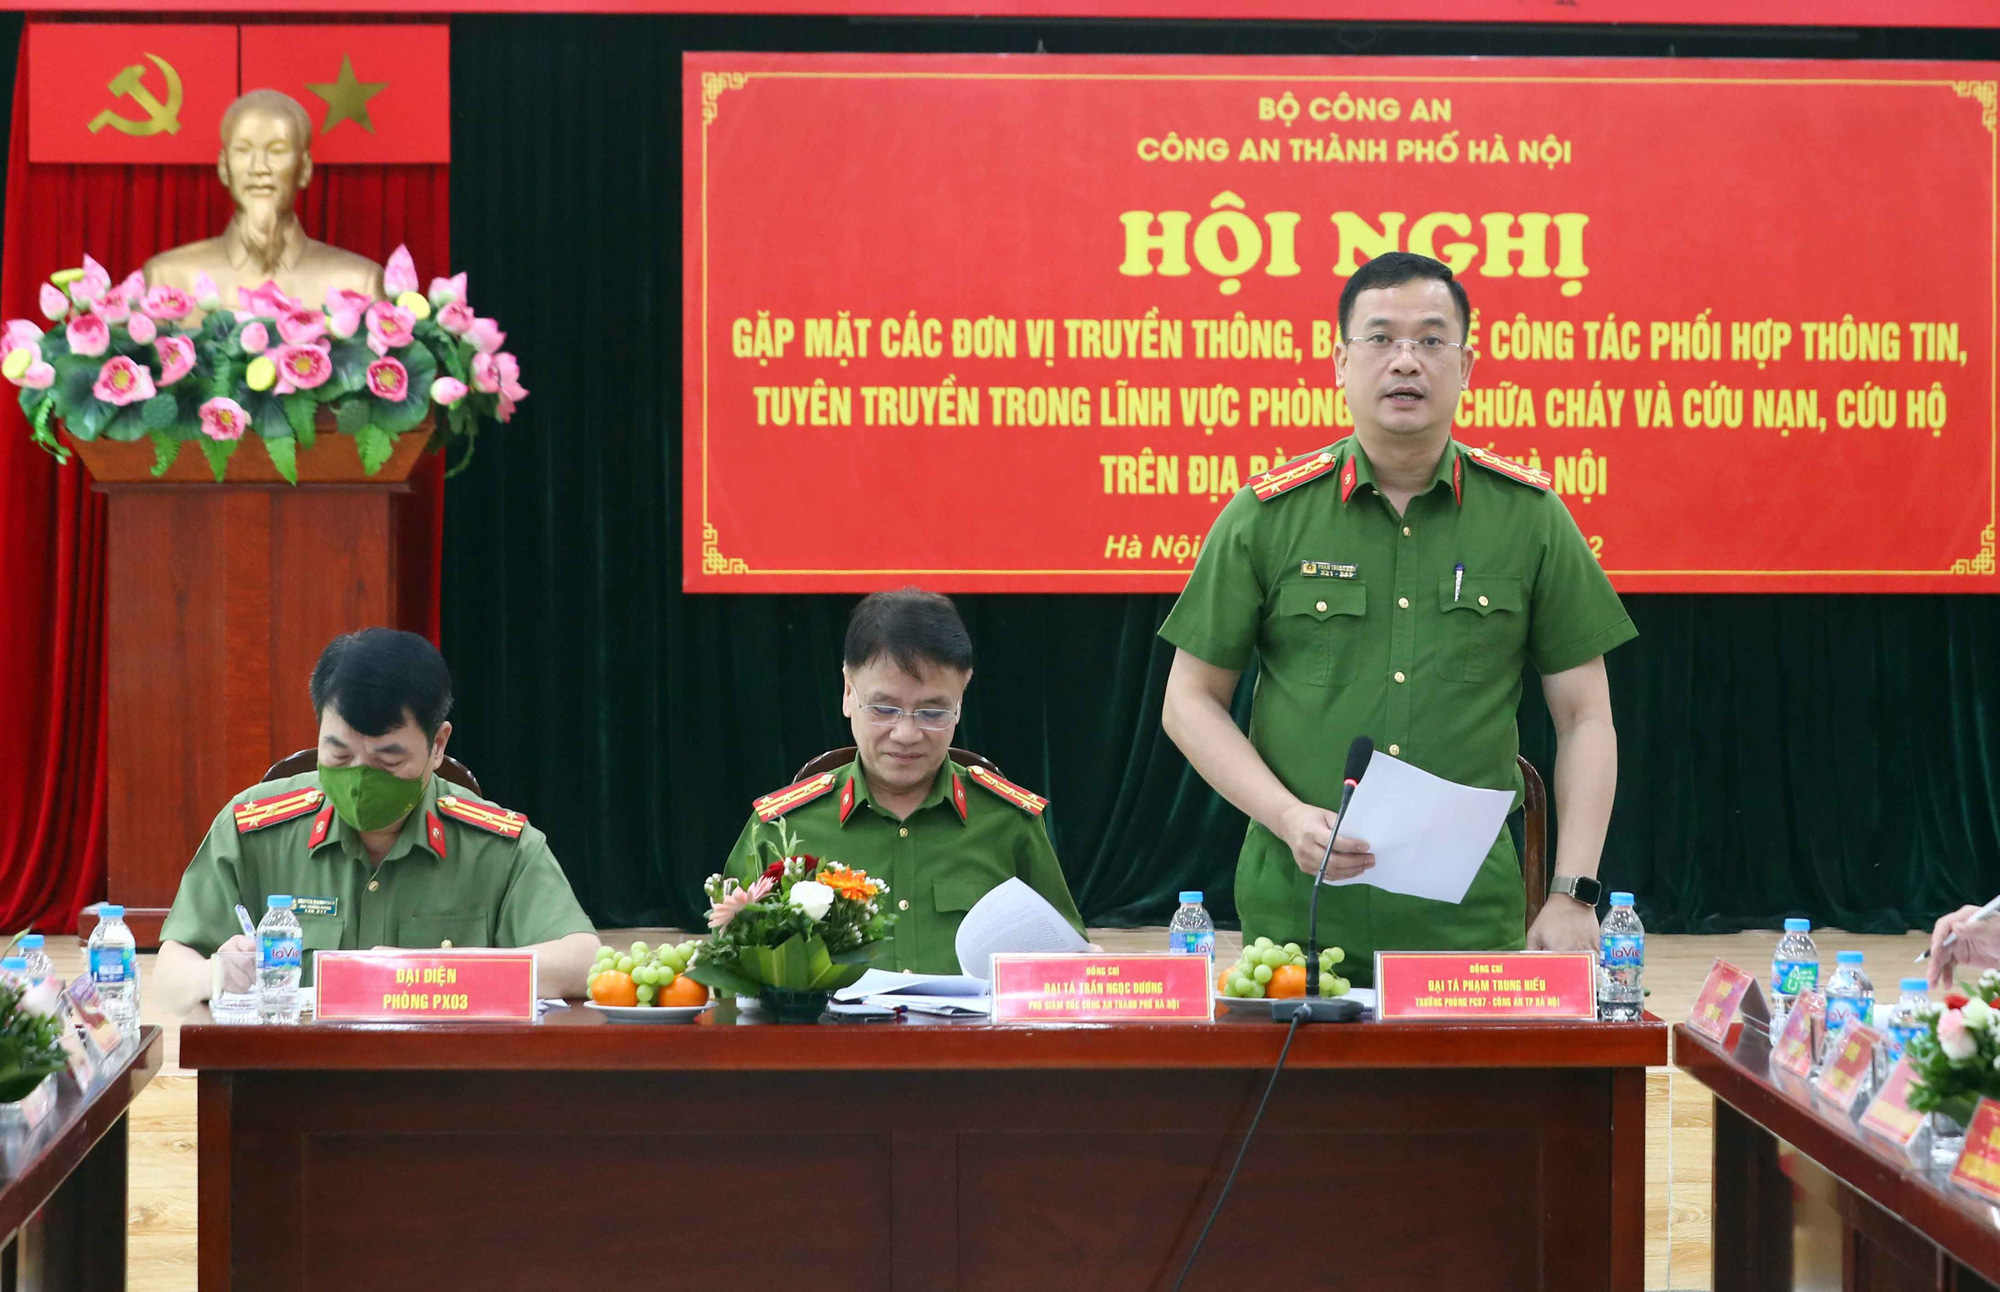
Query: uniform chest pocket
[957, 894]
[465, 930]
[1317, 631]
[1485, 630]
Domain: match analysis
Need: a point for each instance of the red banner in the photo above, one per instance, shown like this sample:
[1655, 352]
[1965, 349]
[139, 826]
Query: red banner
[375, 93]
[150, 93]
[1025, 323]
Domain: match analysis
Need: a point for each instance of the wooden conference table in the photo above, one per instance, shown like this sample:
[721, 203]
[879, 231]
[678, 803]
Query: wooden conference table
[919, 1156]
[62, 1182]
[1805, 1200]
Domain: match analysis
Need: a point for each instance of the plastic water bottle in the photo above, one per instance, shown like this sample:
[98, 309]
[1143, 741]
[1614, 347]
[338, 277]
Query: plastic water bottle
[278, 962]
[1191, 933]
[1905, 1020]
[37, 958]
[14, 972]
[1794, 968]
[1621, 962]
[1850, 998]
[113, 957]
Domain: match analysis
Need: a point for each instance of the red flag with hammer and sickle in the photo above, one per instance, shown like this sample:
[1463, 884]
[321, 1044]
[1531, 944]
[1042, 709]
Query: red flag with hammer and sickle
[104, 93]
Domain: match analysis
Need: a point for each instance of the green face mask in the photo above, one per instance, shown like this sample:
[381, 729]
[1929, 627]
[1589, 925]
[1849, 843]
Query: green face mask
[369, 798]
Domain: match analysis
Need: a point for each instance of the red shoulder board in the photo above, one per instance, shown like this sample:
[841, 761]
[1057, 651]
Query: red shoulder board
[1006, 789]
[776, 804]
[279, 807]
[496, 820]
[1291, 475]
[1519, 472]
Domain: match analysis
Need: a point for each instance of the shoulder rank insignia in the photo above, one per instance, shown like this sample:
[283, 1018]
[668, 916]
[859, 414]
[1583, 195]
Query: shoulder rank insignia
[1291, 475]
[496, 820]
[1519, 472]
[1032, 804]
[279, 807]
[774, 805]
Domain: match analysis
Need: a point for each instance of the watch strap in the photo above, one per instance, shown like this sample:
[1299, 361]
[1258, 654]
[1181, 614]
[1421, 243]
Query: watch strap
[1580, 887]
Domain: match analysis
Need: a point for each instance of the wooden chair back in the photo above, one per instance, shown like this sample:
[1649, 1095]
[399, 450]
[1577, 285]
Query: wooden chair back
[844, 755]
[307, 759]
[1534, 837]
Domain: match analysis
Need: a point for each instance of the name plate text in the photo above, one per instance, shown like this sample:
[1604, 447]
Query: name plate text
[425, 986]
[1102, 989]
[1485, 984]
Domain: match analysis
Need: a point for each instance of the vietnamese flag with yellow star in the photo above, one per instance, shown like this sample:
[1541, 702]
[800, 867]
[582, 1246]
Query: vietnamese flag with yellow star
[375, 93]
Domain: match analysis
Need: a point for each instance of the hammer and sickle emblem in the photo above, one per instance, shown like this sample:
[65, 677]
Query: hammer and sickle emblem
[160, 117]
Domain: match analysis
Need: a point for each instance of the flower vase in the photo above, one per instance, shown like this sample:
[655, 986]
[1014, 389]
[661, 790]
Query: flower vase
[1947, 1127]
[788, 1005]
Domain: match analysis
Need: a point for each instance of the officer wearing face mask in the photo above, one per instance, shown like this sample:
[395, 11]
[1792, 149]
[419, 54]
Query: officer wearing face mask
[375, 848]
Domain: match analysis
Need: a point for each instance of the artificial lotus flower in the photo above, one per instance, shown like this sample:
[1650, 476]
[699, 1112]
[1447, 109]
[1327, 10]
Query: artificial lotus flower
[18, 332]
[225, 419]
[133, 289]
[486, 374]
[121, 381]
[390, 327]
[301, 367]
[176, 358]
[206, 294]
[400, 274]
[301, 327]
[262, 374]
[509, 369]
[254, 338]
[167, 304]
[141, 329]
[266, 301]
[457, 318]
[89, 335]
[88, 283]
[345, 310]
[112, 306]
[388, 379]
[16, 360]
[486, 336]
[446, 291]
[55, 305]
[447, 391]
[414, 302]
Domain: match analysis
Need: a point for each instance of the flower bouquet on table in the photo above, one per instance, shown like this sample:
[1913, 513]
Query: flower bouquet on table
[796, 934]
[1956, 1058]
[129, 362]
[30, 1032]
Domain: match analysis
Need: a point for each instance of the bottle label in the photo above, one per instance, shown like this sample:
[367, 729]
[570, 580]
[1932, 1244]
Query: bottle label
[1901, 1036]
[1790, 977]
[1842, 1010]
[278, 951]
[111, 965]
[1194, 942]
[1623, 951]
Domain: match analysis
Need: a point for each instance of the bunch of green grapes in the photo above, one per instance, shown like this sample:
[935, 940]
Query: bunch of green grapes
[654, 973]
[1267, 969]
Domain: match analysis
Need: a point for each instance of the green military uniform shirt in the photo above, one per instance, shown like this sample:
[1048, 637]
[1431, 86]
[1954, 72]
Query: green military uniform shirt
[447, 881]
[1363, 626]
[956, 847]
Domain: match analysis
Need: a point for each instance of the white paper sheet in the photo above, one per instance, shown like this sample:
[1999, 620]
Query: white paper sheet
[1013, 917]
[1429, 835]
[943, 1006]
[882, 982]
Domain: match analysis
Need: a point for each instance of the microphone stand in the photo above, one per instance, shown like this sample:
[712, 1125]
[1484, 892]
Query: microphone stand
[1313, 1008]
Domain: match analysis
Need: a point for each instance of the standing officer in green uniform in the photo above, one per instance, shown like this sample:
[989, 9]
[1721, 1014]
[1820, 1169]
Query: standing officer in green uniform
[374, 847]
[1392, 586]
[940, 835]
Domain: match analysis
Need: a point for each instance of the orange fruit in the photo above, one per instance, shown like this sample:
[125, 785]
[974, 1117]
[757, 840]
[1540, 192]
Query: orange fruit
[614, 988]
[684, 991]
[1222, 983]
[1288, 981]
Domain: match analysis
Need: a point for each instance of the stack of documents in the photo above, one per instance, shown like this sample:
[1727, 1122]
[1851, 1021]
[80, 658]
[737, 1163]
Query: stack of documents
[1013, 917]
[948, 995]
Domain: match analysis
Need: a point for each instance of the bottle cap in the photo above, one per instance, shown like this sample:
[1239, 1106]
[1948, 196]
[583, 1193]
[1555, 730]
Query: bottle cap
[1916, 986]
[14, 964]
[33, 942]
[1848, 957]
[108, 911]
[279, 901]
[1621, 899]
[1796, 925]
[1191, 898]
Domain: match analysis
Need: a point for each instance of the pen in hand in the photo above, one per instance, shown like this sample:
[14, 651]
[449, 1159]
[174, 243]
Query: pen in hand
[243, 918]
[1952, 937]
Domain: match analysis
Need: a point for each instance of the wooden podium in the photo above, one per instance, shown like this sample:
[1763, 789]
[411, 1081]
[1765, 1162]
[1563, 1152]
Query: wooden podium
[219, 598]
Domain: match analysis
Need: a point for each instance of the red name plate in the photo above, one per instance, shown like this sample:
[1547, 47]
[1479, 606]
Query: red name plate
[1978, 1169]
[1485, 984]
[1715, 1008]
[1889, 1114]
[1844, 1079]
[1102, 989]
[425, 986]
[1800, 1039]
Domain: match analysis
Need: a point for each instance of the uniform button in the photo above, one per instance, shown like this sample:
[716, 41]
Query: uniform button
[1319, 605]
[1482, 601]
[1394, 750]
[1399, 677]
[446, 944]
[374, 884]
[1403, 603]
[903, 905]
[904, 832]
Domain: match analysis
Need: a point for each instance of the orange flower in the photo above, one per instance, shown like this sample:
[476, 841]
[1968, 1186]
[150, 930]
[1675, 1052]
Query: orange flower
[854, 885]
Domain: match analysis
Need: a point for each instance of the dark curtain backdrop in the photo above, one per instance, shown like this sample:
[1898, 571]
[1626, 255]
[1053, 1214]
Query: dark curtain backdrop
[1836, 757]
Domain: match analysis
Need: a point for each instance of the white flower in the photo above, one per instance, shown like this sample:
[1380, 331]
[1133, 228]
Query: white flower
[812, 897]
[1978, 1013]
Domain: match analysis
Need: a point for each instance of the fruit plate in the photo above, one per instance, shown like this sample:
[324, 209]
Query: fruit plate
[650, 1013]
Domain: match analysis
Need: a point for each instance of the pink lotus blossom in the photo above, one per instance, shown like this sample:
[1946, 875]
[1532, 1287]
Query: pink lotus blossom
[486, 374]
[254, 338]
[55, 305]
[206, 294]
[266, 301]
[16, 360]
[134, 287]
[121, 381]
[345, 311]
[400, 274]
[446, 291]
[96, 281]
[486, 336]
[224, 419]
[301, 367]
[390, 327]
[447, 391]
[457, 318]
[89, 335]
[388, 379]
[301, 327]
[167, 304]
[503, 412]
[142, 329]
[1953, 1037]
[112, 307]
[18, 333]
[510, 376]
[176, 358]
[40, 375]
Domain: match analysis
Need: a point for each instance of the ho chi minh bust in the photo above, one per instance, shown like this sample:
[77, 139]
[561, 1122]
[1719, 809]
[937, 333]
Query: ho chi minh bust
[266, 159]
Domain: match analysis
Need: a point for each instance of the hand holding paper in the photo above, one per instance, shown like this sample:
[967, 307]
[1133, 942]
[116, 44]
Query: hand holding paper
[1429, 835]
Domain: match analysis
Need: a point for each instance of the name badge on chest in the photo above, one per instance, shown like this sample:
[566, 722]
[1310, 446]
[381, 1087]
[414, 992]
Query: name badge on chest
[316, 905]
[1327, 570]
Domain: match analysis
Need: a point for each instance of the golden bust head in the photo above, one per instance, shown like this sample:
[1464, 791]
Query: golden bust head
[266, 155]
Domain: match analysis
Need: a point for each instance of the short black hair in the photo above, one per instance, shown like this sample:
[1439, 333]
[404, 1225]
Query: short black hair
[912, 627]
[380, 678]
[1393, 269]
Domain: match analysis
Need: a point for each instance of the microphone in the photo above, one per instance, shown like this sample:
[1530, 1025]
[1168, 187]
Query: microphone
[1312, 1007]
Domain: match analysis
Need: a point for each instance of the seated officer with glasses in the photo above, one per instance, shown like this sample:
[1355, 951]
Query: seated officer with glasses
[940, 835]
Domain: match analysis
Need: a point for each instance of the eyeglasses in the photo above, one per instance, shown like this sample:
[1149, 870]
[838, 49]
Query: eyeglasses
[1430, 349]
[888, 715]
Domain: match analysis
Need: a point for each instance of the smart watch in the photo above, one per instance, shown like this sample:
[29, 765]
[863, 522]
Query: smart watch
[1583, 888]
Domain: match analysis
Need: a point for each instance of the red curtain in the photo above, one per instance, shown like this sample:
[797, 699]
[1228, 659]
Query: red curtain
[52, 575]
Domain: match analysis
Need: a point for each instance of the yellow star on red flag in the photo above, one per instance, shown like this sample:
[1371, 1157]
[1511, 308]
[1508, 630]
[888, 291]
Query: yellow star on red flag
[347, 98]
